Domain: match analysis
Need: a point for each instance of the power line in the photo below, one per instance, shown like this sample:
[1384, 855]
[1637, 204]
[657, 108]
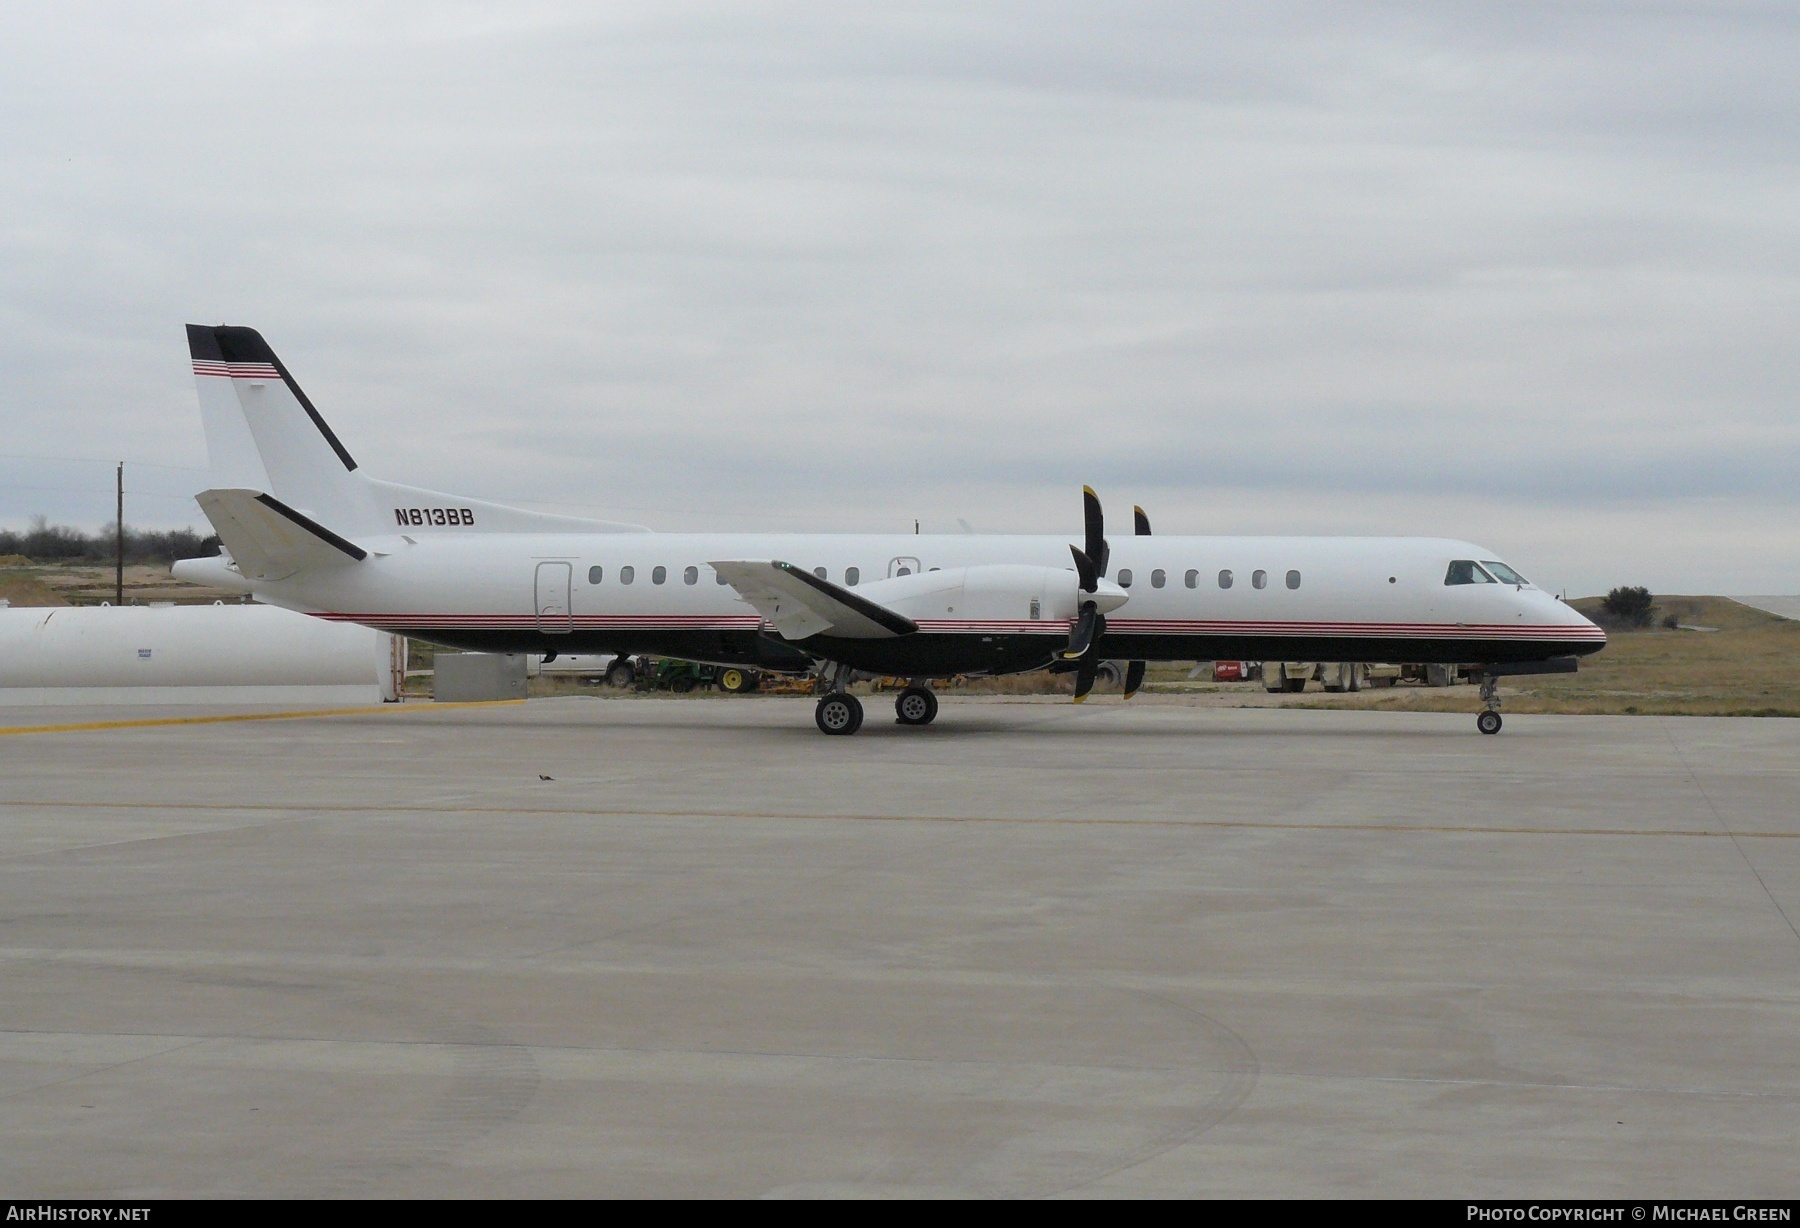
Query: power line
[95, 490]
[94, 460]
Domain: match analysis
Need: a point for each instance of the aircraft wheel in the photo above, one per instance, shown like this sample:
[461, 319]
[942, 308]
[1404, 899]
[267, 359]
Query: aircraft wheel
[839, 714]
[916, 705]
[1488, 722]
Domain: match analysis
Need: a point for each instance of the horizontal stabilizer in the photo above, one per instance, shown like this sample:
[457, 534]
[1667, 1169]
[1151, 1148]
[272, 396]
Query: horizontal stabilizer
[798, 605]
[268, 540]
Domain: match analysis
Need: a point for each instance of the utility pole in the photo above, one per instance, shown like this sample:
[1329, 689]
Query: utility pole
[119, 554]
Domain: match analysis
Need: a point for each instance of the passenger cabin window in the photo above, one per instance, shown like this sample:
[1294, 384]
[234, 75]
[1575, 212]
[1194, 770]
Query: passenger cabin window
[627, 574]
[1259, 579]
[1503, 573]
[819, 572]
[1124, 577]
[658, 574]
[1225, 578]
[851, 576]
[1293, 579]
[1193, 578]
[691, 576]
[1466, 571]
[721, 579]
[1158, 578]
[593, 575]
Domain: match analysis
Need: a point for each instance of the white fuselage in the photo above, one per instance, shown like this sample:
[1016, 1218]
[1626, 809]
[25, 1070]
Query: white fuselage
[1361, 598]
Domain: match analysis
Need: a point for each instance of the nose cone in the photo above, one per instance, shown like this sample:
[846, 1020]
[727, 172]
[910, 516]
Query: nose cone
[1107, 596]
[1591, 631]
[1580, 633]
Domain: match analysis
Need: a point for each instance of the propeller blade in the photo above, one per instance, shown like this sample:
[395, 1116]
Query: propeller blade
[1090, 659]
[1134, 678]
[1095, 519]
[1084, 677]
[1085, 575]
[1086, 631]
[1143, 521]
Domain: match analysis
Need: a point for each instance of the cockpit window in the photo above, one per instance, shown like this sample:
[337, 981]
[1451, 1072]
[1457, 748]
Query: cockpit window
[1467, 571]
[1503, 573]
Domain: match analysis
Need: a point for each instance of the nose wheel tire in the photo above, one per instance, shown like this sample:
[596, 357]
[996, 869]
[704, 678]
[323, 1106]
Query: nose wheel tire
[1488, 722]
[916, 705]
[839, 714]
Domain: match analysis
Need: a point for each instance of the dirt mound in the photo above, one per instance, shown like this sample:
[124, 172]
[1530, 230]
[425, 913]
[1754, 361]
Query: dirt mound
[21, 591]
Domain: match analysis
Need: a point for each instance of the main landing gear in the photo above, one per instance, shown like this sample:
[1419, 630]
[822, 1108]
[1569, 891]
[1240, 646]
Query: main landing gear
[840, 713]
[917, 705]
[1489, 721]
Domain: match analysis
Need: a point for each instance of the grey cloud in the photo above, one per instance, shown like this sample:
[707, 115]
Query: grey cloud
[817, 263]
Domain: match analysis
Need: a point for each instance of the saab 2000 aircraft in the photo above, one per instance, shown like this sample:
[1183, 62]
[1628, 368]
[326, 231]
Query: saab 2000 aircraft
[304, 528]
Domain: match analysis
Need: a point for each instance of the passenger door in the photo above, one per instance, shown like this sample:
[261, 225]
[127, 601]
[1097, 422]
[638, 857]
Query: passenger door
[554, 616]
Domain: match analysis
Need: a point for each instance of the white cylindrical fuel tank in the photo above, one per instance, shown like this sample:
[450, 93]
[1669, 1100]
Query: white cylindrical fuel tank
[189, 654]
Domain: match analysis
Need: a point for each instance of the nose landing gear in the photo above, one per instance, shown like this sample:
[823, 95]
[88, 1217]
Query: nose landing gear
[1489, 721]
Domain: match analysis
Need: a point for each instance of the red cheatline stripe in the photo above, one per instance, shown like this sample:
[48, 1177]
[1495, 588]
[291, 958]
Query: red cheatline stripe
[701, 622]
[1117, 624]
[1313, 628]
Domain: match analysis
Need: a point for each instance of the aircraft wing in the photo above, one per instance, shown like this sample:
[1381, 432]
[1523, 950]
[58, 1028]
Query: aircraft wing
[267, 539]
[797, 604]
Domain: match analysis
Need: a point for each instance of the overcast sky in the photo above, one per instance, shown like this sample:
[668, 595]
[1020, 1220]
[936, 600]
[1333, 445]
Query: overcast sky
[1523, 273]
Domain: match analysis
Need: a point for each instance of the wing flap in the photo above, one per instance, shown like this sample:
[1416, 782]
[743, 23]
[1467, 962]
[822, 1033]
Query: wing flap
[268, 540]
[798, 605]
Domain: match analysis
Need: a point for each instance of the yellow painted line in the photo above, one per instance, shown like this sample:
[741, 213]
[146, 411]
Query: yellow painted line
[83, 726]
[615, 812]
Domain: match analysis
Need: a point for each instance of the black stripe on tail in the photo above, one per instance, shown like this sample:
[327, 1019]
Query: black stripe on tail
[230, 344]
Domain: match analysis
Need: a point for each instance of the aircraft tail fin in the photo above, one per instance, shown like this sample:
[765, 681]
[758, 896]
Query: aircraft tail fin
[263, 433]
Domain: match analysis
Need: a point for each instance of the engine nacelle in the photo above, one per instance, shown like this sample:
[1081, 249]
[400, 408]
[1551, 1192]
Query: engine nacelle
[998, 593]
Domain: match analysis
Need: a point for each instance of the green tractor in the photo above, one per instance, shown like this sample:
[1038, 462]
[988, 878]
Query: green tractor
[672, 674]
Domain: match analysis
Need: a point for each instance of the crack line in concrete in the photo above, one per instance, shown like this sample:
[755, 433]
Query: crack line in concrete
[1707, 798]
[100, 1070]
